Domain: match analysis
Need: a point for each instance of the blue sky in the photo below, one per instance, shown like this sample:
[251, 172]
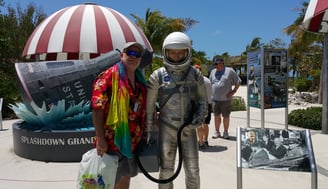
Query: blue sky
[224, 25]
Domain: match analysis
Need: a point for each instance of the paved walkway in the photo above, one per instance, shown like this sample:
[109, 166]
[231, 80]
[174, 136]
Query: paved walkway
[217, 164]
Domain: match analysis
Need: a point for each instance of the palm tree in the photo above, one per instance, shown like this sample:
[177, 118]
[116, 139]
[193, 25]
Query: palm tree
[152, 28]
[16, 26]
[156, 27]
[255, 45]
[304, 44]
[301, 39]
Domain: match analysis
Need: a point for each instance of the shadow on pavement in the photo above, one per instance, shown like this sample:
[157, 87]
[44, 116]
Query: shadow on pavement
[232, 138]
[215, 148]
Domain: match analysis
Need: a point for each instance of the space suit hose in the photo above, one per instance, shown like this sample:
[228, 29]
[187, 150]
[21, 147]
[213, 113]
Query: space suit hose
[177, 172]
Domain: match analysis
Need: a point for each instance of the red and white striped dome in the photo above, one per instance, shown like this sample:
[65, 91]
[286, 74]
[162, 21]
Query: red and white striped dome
[81, 32]
[316, 16]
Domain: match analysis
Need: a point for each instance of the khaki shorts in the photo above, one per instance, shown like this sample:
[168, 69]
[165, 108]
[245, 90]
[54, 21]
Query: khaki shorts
[126, 166]
[222, 107]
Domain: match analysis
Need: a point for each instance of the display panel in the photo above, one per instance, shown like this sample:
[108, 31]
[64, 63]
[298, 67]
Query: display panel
[274, 149]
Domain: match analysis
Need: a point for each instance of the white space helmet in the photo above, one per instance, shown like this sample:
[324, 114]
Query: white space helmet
[176, 41]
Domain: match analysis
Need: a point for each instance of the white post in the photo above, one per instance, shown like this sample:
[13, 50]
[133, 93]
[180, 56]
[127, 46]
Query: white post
[325, 86]
[239, 163]
[1, 100]
[262, 87]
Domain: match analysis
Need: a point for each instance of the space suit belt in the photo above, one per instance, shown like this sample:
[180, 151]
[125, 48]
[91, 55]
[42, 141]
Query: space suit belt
[186, 89]
[177, 119]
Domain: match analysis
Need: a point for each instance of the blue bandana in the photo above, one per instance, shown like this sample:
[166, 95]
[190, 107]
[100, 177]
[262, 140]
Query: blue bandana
[218, 74]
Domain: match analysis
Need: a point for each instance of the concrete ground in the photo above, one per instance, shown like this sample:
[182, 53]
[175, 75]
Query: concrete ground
[218, 167]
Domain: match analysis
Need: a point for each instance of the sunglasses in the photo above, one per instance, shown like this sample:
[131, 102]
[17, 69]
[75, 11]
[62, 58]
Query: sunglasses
[133, 53]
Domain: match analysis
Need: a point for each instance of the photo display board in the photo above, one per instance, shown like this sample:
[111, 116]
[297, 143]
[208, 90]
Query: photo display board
[273, 149]
[272, 64]
[254, 78]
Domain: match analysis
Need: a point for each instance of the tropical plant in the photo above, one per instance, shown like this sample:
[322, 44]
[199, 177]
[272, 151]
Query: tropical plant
[305, 46]
[156, 27]
[276, 43]
[19, 24]
[58, 117]
[255, 45]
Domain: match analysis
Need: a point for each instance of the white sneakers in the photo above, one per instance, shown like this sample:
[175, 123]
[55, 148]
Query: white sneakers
[217, 134]
[225, 135]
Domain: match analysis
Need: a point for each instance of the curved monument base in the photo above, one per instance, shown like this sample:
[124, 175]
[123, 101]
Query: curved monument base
[51, 146]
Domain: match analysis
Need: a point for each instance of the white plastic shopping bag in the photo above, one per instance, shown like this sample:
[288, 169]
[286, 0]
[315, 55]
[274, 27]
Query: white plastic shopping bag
[97, 172]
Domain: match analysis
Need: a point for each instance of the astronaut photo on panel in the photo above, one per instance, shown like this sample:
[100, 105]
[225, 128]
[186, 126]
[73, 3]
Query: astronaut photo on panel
[274, 149]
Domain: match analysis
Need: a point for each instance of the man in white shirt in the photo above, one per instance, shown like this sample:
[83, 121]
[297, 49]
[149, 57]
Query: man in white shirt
[223, 79]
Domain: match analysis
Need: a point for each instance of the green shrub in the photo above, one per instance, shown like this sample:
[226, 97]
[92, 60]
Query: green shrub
[309, 118]
[302, 84]
[238, 104]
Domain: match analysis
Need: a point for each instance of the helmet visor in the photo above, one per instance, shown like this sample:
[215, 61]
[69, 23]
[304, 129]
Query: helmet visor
[176, 55]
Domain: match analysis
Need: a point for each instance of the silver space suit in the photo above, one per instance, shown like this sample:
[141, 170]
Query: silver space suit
[179, 90]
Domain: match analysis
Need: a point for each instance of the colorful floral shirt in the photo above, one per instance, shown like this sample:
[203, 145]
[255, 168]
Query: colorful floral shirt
[101, 98]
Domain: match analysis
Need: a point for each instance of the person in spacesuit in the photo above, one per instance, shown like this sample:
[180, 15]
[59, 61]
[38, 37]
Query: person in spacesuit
[179, 90]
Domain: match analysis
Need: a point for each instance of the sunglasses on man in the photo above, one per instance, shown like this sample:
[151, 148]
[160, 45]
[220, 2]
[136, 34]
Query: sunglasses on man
[133, 53]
